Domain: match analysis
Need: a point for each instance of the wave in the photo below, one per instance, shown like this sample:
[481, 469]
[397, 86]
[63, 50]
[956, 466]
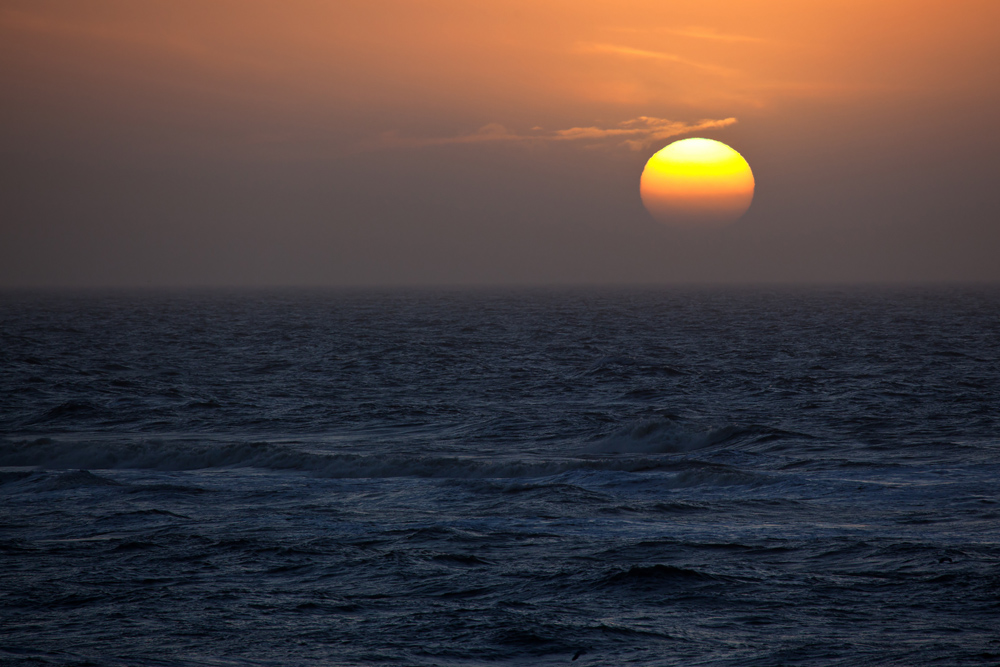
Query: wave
[77, 479]
[643, 575]
[71, 410]
[178, 456]
[63, 481]
[668, 436]
[624, 365]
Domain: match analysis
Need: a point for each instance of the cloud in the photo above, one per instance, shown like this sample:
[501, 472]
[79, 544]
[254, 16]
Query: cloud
[694, 32]
[635, 134]
[630, 52]
[705, 33]
[642, 131]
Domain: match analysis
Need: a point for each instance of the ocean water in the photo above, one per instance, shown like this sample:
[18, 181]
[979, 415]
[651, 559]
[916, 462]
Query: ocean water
[528, 477]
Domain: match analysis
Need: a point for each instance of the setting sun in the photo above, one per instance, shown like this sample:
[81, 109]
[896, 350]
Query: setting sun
[697, 182]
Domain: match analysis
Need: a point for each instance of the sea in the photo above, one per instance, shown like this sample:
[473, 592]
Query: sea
[739, 476]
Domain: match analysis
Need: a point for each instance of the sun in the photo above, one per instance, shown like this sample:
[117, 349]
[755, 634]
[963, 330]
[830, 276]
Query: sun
[697, 183]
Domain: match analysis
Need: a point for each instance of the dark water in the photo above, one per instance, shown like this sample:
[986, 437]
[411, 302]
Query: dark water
[686, 477]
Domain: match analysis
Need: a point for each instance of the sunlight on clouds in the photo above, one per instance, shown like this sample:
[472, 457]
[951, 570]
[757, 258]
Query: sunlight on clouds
[642, 131]
[635, 134]
[328, 74]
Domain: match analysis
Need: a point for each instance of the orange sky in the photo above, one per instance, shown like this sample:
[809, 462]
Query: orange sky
[416, 63]
[128, 83]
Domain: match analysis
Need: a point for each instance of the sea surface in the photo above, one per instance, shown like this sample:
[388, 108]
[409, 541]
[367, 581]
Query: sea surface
[686, 476]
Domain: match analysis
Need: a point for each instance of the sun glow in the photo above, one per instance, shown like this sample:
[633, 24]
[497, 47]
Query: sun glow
[695, 183]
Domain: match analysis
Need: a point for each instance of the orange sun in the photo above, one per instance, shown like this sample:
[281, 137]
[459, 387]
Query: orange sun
[696, 183]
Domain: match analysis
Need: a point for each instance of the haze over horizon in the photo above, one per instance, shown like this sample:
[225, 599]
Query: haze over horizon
[387, 142]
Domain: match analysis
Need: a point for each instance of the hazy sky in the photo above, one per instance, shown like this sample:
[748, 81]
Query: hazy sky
[355, 142]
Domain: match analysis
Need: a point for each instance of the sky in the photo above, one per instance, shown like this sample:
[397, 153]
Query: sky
[448, 142]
